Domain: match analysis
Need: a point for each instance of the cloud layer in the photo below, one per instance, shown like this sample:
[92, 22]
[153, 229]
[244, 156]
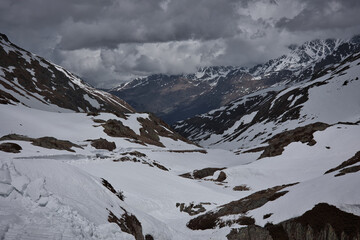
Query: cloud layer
[111, 41]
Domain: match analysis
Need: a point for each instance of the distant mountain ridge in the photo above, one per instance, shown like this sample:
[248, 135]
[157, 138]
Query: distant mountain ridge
[330, 98]
[177, 97]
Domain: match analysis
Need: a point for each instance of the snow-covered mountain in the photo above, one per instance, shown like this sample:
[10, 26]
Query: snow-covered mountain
[177, 97]
[330, 98]
[113, 173]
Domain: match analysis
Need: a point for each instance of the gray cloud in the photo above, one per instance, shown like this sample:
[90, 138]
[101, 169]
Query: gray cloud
[110, 41]
[322, 15]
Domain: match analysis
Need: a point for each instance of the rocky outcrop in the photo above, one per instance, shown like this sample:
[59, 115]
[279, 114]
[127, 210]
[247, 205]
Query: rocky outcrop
[45, 142]
[349, 162]
[10, 147]
[301, 134]
[128, 223]
[102, 143]
[192, 208]
[212, 219]
[152, 129]
[249, 233]
[323, 222]
[205, 172]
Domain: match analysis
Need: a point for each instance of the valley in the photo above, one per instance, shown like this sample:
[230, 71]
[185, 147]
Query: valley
[280, 161]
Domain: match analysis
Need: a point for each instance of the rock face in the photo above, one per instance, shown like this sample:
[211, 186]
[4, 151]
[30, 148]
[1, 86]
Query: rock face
[45, 142]
[177, 97]
[212, 219]
[10, 147]
[202, 173]
[152, 129]
[323, 222]
[249, 233]
[103, 144]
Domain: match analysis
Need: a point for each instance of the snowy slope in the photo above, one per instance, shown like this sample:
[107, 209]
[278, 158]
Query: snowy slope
[151, 193]
[288, 136]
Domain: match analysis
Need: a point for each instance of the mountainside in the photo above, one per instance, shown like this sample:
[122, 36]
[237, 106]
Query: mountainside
[330, 98]
[78, 170]
[35, 82]
[177, 97]
[293, 133]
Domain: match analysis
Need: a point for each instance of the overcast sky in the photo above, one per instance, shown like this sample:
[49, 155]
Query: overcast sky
[111, 41]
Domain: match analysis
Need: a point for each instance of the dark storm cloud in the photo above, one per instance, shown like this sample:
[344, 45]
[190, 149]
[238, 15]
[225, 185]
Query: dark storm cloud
[109, 41]
[132, 21]
[324, 15]
[106, 23]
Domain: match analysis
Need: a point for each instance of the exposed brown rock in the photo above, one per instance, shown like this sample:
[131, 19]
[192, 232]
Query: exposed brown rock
[253, 150]
[211, 219]
[242, 220]
[301, 134]
[103, 144]
[153, 127]
[199, 174]
[106, 184]
[323, 222]
[136, 156]
[126, 159]
[45, 142]
[205, 172]
[351, 161]
[186, 175]
[221, 177]
[135, 153]
[16, 137]
[149, 237]
[98, 120]
[158, 165]
[128, 223]
[249, 233]
[267, 215]
[115, 128]
[10, 147]
[189, 151]
[241, 188]
[348, 170]
[53, 143]
[119, 194]
[94, 114]
[192, 209]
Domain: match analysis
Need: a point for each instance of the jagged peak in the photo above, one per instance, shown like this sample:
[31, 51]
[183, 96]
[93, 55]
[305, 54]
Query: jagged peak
[4, 37]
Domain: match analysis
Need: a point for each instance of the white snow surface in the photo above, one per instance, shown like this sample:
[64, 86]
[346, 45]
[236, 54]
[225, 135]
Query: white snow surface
[68, 201]
[47, 193]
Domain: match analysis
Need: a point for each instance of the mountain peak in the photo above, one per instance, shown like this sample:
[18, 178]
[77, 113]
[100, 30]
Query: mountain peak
[4, 37]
